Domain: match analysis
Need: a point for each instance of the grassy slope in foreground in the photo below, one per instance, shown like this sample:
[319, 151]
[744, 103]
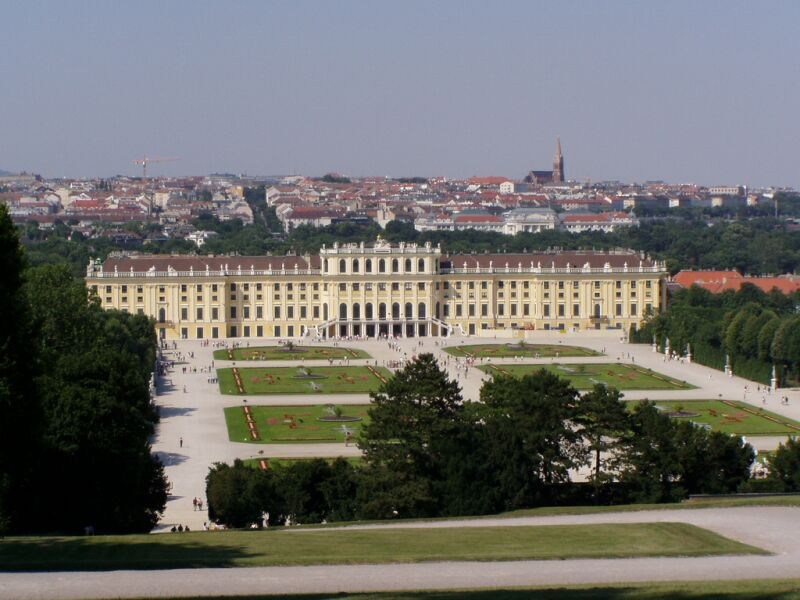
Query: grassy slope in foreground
[747, 589]
[337, 546]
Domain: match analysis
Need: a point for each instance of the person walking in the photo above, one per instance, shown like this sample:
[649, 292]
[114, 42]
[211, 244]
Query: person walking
[180, 442]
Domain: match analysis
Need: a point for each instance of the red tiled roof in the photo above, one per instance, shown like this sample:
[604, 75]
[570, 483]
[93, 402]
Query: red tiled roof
[477, 219]
[198, 263]
[599, 217]
[488, 180]
[720, 281]
[547, 260]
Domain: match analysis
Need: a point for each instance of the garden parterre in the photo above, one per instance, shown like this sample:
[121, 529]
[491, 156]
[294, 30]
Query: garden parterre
[290, 424]
[584, 376]
[301, 380]
[294, 352]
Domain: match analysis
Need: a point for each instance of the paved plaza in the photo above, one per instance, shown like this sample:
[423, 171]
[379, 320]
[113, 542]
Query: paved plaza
[192, 434]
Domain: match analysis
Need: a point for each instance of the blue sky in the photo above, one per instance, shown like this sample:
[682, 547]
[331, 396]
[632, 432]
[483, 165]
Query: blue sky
[696, 91]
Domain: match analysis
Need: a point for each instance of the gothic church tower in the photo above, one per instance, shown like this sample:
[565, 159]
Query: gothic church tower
[558, 164]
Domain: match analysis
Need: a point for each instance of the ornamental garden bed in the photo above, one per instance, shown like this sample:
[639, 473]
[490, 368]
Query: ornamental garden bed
[295, 424]
[271, 462]
[584, 376]
[301, 380]
[286, 352]
[730, 416]
[516, 349]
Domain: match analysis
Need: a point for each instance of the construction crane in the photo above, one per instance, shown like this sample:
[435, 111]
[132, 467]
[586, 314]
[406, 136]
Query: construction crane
[146, 160]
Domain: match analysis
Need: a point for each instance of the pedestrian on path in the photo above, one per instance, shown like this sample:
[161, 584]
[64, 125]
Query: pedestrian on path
[180, 442]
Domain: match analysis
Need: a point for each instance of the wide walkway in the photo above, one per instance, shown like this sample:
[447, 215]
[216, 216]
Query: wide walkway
[771, 528]
[192, 434]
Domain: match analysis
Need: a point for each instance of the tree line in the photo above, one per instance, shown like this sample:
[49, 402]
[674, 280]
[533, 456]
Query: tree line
[754, 329]
[74, 404]
[427, 453]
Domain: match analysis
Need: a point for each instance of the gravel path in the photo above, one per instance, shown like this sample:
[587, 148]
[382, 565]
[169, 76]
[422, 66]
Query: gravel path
[773, 528]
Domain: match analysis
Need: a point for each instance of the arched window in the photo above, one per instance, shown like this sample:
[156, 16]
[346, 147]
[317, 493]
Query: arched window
[408, 265]
[368, 311]
[421, 310]
[325, 266]
[343, 311]
[162, 315]
[382, 311]
[421, 265]
[324, 312]
[381, 266]
[342, 266]
[355, 265]
[396, 310]
[437, 310]
[395, 265]
[409, 311]
[368, 266]
[356, 311]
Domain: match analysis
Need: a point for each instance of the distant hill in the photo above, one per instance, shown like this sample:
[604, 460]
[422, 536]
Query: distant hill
[5, 173]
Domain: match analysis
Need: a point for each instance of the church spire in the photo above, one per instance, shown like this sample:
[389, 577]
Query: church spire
[558, 163]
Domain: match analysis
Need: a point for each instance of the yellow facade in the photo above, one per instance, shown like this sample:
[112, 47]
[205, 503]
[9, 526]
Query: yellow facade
[380, 289]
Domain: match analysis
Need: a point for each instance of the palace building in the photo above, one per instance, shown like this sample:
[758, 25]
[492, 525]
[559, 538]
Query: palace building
[380, 289]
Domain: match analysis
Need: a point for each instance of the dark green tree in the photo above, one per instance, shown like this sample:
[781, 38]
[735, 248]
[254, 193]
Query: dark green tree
[410, 414]
[19, 410]
[651, 463]
[530, 424]
[604, 422]
[784, 466]
[239, 495]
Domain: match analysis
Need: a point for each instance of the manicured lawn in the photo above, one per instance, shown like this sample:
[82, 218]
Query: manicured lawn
[292, 380]
[730, 416]
[343, 546]
[740, 589]
[585, 376]
[281, 353]
[289, 424]
[512, 350]
[255, 463]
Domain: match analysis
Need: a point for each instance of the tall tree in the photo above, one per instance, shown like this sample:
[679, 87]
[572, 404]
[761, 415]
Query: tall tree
[784, 466]
[604, 423]
[410, 414]
[530, 423]
[19, 411]
[652, 467]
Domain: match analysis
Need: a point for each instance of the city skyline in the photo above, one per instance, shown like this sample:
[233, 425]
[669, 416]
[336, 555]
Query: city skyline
[681, 93]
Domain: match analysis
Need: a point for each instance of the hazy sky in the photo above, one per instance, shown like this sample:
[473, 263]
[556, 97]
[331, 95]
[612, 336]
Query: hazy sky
[695, 91]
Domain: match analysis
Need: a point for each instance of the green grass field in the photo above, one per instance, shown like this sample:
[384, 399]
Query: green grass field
[747, 589]
[280, 353]
[343, 546]
[284, 380]
[730, 416]
[290, 424]
[585, 376]
[512, 350]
